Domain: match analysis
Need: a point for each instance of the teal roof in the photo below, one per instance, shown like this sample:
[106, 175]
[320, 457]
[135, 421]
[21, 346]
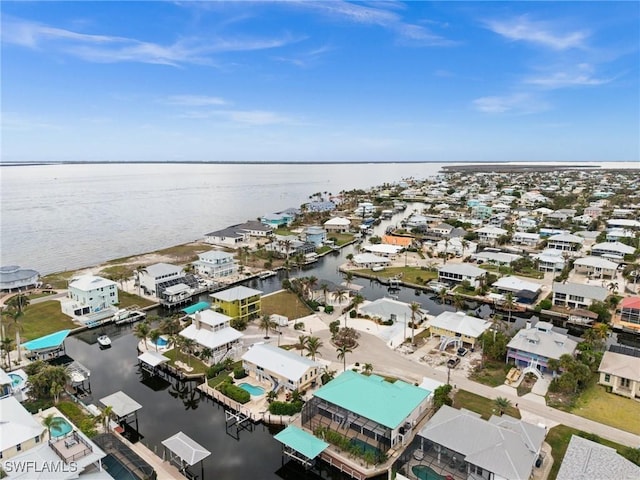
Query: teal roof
[301, 441]
[52, 340]
[372, 397]
[196, 307]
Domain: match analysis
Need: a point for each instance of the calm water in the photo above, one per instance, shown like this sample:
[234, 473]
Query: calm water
[61, 217]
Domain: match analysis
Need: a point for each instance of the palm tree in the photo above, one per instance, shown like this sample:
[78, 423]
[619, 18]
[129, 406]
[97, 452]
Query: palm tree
[51, 421]
[267, 324]
[442, 295]
[139, 271]
[105, 416]
[313, 345]
[141, 331]
[509, 303]
[464, 244]
[302, 343]
[458, 301]
[348, 278]
[55, 391]
[367, 368]
[311, 283]
[502, 404]
[357, 300]
[154, 335]
[271, 396]
[15, 314]
[19, 302]
[6, 343]
[339, 296]
[613, 287]
[205, 354]
[188, 345]
[325, 288]
[342, 355]
[415, 310]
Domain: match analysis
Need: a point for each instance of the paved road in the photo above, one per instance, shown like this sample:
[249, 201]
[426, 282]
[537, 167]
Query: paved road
[373, 350]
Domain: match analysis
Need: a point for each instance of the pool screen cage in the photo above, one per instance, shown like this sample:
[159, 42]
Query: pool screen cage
[129, 459]
[318, 415]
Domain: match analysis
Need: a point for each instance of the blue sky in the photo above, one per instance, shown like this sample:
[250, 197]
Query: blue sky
[320, 81]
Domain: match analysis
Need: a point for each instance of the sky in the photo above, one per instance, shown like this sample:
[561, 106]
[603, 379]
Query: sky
[311, 81]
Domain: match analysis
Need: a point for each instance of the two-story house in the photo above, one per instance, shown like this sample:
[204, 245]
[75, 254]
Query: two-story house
[458, 328]
[155, 278]
[620, 370]
[532, 347]
[490, 235]
[577, 295]
[213, 330]
[565, 242]
[216, 264]
[455, 273]
[89, 294]
[240, 303]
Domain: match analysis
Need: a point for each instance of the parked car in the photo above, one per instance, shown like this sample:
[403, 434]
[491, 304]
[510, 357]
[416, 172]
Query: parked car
[453, 362]
[462, 351]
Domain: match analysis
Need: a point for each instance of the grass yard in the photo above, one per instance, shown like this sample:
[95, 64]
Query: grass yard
[39, 320]
[58, 280]
[341, 238]
[414, 275]
[558, 438]
[182, 253]
[126, 299]
[481, 405]
[619, 412]
[284, 303]
[197, 364]
[493, 374]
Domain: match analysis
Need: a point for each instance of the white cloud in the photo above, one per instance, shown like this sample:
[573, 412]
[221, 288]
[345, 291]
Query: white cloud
[112, 49]
[516, 103]
[581, 75]
[538, 32]
[195, 100]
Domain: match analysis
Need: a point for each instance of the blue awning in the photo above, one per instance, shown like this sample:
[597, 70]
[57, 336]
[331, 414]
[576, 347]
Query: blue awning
[53, 340]
[301, 441]
[197, 307]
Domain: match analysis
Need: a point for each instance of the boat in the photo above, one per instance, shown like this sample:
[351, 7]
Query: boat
[130, 314]
[104, 341]
[267, 274]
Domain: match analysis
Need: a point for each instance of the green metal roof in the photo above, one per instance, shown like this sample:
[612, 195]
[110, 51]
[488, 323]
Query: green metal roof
[52, 340]
[196, 307]
[372, 397]
[301, 441]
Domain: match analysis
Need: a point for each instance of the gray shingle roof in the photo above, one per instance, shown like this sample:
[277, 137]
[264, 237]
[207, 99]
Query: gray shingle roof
[588, 291]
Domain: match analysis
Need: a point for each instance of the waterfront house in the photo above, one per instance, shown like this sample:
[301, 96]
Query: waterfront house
[216, 264]
[19, 431]
[386, 250]
[526, 239]
[565, 242]
[364, 209]
[550, 260]
[315, 234]
[89, 294]
[629, 313]
[457, 328]
[587, 460]
[577, 295]
[284, 369]
[441, 230]
[289, 246]
[155, 278]
[239, 235]
[455, 273]
[368, 410]
[240, 303]
[533, 346]
[280, 219]
[394, 240]
[370, 260]
[596, 267]
[501, 448]
[489, 235]
[496, 258]
[522, 290]
[213, 330]
[456, 246]
[337, 225]
[614, 250]
[397, 314]
[320, 206]
[620, 370]
[12, 277]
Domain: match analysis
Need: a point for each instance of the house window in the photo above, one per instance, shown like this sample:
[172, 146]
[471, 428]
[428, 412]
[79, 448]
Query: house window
[38, 439]
[19, 447]
[625, 383]
[607, 377]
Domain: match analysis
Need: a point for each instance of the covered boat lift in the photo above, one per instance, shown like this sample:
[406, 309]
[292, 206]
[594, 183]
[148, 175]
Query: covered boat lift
[150, 361]
[122, 407]
[185, 452]
[300, 445]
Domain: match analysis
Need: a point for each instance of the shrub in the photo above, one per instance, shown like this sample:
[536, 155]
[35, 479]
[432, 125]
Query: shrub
[334, 327]
[285, 408]
[239, 372]
[233, 392]
[298, 326]
[215, 370]
[328, 309]
[239, 323]
[352, 314]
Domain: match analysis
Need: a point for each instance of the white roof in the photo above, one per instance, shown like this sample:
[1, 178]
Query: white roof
[532, 236]
[516, 284]
[613, 247]
[369, 258]
[545, 343]
[623, 222]
[492, 230]
[430, 384]
[236, 293]
[87, 283]
[596, 262]
[210, 317]
[587, 460]
[625, 366]
[338, 221]
[593, 292]
[211, 339]
[462, 269]
[499, 257]
[16, 424]
[460, 323]
[121, 404]
[153, 358]
[4, 378]
[176, 289]
[286, 364]
[384, 307]
[383, 248]
[159, 269]
[213, 255]
[187, 449]
[566, 237]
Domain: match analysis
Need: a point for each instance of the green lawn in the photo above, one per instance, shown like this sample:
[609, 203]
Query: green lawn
[602, 407]
[39, 320]
[197, 364]
[481, 405]
[493, 374]
[409, 274]
[558, 438]
[58, 280]
[126, 299]
[284, 303]
[341, 238]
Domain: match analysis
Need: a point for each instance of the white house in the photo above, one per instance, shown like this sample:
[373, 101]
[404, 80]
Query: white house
[576, 295]
[565, 242]
[459, 272]
[281, 368]
[525, 238]
[213, 330]
[596, 266]
[337, 224]
[490, 235]
[611, 249]
[457, 328]
[153, 276]
[216, 264]
[89, 294]
[369, 260]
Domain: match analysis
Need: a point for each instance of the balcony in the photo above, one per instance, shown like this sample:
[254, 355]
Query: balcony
[70, 447]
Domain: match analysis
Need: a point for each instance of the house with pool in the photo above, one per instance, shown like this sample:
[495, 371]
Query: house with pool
[240, 303]
[283, 369]
[213, 330]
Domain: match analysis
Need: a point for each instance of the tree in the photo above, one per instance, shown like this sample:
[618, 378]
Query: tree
[51, 421]
[357, 301]
[325, 289]
[188, 344]
[267, 324]
[56, 390]
[502, 404]
[105, 416]
[302, 343]
[441, 396]
[43, 376]
[19, 302]
[348, 277]
[342, 355]
[509, 303]
[271, 396]
[205, 354]
[7, 344]
[415, 312]
[313, 345]
[367, 368]
[442, 295]
[613, 287]
[141, 331]
[458, 301]
[154, 335]
[138, 272]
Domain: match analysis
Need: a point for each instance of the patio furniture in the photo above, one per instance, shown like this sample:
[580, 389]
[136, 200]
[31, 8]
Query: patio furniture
[418, 454]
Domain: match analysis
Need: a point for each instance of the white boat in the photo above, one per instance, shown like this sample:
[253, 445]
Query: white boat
[104, 341]
[267, 274]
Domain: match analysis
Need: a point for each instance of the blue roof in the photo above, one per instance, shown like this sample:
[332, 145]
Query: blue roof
[196, 307]
[52, 340]
[301, 441]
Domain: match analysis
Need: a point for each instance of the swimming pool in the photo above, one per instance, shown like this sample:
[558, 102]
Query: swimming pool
[18, 379]
[252, 389]
[161, 342]
[425, 473]
[15, 379]
[61, 428]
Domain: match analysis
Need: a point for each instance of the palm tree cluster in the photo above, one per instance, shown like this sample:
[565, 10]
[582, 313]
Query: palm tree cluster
[309, 343]
[16, 308]
[46, 381]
